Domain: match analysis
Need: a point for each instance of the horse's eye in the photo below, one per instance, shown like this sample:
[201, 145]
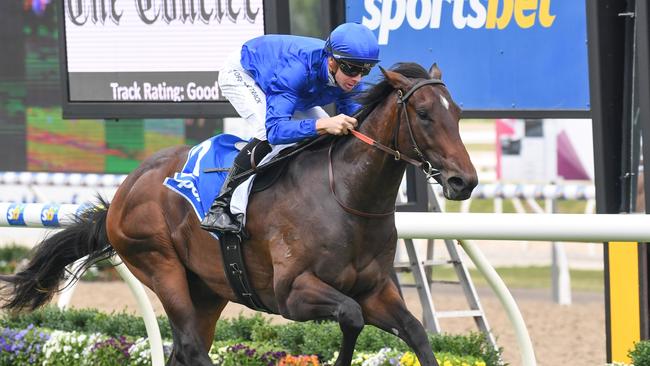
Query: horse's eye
[422, 114]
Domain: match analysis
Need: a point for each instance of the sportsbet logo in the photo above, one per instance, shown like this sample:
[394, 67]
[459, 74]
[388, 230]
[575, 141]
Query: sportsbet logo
[389, 15]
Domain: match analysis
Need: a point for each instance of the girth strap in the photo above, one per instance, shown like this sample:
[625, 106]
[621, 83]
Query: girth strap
[233, 265]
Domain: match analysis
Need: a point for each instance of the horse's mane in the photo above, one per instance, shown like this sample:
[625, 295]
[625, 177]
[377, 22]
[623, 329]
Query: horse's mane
[378, 92]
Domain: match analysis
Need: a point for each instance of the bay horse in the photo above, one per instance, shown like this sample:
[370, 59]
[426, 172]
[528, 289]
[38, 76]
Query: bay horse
[315, 250]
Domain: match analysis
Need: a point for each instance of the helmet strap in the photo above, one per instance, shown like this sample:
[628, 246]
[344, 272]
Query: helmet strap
[331, 79]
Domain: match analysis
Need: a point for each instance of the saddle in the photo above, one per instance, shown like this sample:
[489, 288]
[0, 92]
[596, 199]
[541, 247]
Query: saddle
[233, 259]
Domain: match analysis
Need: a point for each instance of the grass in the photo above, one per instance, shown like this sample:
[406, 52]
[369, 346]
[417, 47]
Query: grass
[534, 277]
[487, 206]
[480, 147]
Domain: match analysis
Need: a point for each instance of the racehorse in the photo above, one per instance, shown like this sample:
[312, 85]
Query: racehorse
[321, 241]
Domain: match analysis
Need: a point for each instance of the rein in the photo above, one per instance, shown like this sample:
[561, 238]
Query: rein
[422, 163]
[398, 155]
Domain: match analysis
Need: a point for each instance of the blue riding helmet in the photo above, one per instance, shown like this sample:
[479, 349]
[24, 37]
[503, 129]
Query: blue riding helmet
[353, 42]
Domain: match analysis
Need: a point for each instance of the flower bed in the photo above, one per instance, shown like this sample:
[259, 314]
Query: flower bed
[59, 348]
[88, 337]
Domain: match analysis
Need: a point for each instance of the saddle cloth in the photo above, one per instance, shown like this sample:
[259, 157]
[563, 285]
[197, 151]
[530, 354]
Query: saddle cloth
[200, 188]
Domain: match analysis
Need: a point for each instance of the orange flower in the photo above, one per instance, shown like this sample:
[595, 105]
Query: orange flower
[290, 360]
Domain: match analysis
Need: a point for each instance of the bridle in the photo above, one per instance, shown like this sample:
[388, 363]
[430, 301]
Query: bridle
[402, 101]
[421, 162]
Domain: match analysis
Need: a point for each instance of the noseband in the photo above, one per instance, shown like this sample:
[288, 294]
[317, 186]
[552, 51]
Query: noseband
[422, 162]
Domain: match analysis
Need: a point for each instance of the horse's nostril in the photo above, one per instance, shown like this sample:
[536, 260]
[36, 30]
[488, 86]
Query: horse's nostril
[457, 183]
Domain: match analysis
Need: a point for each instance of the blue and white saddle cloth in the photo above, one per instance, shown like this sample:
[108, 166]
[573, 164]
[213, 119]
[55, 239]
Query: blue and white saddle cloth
[196, 186]
[200, 188]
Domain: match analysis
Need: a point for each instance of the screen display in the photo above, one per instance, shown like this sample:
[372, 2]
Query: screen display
[148, 51]
[34, 137]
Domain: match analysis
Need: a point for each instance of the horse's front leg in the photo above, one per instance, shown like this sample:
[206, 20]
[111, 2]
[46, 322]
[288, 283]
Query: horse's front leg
[386, 310]
[309, 298]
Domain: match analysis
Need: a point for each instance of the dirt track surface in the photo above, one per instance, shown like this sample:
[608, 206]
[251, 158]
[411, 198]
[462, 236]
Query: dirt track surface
[573, 335]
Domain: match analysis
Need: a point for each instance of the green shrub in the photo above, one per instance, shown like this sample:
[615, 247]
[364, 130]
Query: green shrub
[319, 338]
[11, 256]
[239, 328]
[473, 344]
[264, 333]
[640, 355]
[85, 320]
[374, 339]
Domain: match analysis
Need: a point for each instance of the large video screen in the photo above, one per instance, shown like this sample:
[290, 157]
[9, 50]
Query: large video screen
[33, 137]
[151, 58]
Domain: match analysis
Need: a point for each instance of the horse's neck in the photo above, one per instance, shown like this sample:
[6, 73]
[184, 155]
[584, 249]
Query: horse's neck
[371, 177]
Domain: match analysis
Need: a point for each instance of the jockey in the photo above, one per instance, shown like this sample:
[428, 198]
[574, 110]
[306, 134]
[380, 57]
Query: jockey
[278, 84]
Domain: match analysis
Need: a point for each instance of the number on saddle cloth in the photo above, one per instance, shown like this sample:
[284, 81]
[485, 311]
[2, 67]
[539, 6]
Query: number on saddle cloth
[214, 155]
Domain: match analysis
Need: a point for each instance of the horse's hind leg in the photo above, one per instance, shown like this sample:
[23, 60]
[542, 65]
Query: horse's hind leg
[192, 310]
[207, 307]
[310, 298]
[386, 310]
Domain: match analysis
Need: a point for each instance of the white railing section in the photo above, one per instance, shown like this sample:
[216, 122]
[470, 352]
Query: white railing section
[38, 214]
[62, 179]
[542, 227]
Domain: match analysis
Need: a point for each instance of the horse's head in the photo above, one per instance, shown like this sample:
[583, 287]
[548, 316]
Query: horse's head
[427, 127]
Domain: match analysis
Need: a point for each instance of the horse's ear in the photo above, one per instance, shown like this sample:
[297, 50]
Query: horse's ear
[434, 72]
[396, 80]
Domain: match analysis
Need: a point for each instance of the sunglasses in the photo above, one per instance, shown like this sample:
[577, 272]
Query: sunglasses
[353, 70]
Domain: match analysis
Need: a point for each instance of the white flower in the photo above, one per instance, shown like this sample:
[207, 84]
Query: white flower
[377, 359]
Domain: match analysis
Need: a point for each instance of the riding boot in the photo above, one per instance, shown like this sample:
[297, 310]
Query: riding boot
[219, 218]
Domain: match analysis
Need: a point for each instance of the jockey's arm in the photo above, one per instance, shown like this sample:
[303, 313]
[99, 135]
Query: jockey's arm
[281, 104]
[346, 106]
[280, 128]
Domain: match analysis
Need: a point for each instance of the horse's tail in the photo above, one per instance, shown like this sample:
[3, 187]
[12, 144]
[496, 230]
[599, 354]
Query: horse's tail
[39, 281]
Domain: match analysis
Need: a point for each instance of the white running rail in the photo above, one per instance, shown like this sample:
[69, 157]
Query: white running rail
[62, 179]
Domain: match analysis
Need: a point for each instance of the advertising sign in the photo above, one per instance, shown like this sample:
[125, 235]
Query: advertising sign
[495, 55]
[152, 51]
